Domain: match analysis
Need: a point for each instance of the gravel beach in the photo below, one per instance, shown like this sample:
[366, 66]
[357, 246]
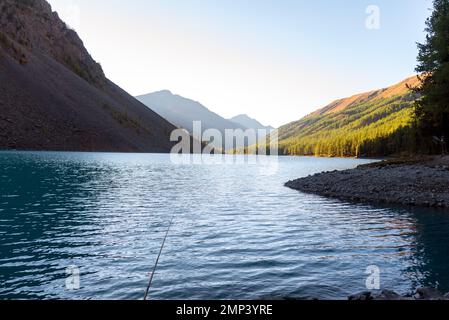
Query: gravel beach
[422, 182]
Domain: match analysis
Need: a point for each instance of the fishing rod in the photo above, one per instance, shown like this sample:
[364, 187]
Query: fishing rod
[157, 260]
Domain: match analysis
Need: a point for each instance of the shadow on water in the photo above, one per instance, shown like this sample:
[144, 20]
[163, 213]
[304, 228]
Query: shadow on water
[101, 213]
[432, 249]
[42, 206]
[427, 232]
[422, 247]
[408, 244]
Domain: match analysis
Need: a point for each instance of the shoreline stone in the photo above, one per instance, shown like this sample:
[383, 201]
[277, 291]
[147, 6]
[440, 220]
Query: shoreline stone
[422, 183]
[388, 295]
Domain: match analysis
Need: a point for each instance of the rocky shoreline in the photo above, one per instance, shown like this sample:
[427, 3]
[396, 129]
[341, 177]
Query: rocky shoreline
[422, 182]
[387, 295]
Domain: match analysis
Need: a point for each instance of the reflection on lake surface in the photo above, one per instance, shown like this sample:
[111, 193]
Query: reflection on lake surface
[238, 232]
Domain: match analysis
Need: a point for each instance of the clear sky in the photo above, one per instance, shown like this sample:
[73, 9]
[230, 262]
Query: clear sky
[276, 60]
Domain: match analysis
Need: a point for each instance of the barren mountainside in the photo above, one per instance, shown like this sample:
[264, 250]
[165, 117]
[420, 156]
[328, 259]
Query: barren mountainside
[54, 96]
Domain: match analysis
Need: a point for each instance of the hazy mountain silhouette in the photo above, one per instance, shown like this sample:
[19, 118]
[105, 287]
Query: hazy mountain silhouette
[182, 112]
[248, 122]
[54, 96]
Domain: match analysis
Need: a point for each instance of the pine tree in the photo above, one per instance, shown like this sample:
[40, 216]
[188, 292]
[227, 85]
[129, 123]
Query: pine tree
[432, 109]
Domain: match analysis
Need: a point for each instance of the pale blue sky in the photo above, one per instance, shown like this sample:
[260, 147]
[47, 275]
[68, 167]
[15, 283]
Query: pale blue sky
[276, 60]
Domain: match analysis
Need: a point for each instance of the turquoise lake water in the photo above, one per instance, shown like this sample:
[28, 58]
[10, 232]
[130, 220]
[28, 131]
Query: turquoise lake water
[238, 233]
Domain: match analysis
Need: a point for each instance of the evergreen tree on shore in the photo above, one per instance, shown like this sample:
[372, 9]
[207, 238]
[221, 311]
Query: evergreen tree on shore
[432, 109]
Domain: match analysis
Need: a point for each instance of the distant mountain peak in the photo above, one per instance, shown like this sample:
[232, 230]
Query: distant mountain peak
[242, 116]
[164, 92]
[248, 122]
[182, 112]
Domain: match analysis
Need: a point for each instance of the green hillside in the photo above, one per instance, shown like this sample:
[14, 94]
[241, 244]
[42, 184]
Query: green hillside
[376, 123]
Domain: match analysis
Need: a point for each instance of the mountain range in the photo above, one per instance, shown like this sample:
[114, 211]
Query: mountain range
[54, 96]
[182, 112]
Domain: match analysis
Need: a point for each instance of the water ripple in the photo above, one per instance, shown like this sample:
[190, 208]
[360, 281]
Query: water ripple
[238, 233]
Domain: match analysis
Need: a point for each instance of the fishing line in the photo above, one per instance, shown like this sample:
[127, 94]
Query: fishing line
[157, 260]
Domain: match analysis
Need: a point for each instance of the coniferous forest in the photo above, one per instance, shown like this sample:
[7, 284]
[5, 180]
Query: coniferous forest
[409, 118]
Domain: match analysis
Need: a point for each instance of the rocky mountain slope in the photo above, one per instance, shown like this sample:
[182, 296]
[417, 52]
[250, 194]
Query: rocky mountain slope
[374, 123]
[54, 96]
